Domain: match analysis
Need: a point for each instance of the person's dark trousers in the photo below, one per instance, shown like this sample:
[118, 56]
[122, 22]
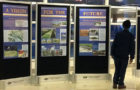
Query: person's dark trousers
[120, 70]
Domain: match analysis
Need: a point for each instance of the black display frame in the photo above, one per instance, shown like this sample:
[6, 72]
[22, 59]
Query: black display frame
[18, 67]
[57, 64]
[92, 64]
[138, 43]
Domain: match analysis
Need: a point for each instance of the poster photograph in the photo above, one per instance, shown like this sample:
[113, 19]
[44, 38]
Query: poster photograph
[21, 23]
[99, 50]
[93, 34]
[47, 35]
[23, 51]
[10, 51]
[53, 50]
[15, 51]
[102, 34]
[63, 35]
[86, 47]
[16, 36]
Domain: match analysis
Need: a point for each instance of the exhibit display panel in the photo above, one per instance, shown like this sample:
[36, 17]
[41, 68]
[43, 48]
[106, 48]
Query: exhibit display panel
[53, 39]
[95, 2]
[138, 43]
[92, 39]
[15, 40]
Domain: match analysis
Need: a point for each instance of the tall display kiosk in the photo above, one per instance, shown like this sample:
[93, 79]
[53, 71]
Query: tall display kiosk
[138, 47]
[53, 40]
[92, 40]
[14, 40]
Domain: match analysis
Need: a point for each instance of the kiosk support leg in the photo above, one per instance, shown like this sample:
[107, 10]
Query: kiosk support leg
[35, 80]
[2, 85]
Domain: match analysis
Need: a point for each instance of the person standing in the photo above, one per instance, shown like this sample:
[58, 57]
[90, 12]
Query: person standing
[123, 46]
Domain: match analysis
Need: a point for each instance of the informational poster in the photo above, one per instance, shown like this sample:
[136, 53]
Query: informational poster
[53, 31]
[118, 28]
[92, 32]
[15, 31]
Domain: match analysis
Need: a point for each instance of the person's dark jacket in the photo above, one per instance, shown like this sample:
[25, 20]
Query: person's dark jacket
[123, 45]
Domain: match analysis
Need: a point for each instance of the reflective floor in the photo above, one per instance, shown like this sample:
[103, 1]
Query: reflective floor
[131, 82]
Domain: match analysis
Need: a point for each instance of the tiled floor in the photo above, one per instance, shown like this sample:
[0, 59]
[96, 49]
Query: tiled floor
[131, 82]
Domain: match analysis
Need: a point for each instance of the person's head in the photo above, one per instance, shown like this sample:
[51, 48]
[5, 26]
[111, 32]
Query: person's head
[126, 24]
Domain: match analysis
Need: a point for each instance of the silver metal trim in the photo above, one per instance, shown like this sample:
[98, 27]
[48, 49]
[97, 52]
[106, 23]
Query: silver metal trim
[124, 7]
[30, 40]
[69, 41]
[109, 46]
[74, 60]
[36, 38]
[136, 47]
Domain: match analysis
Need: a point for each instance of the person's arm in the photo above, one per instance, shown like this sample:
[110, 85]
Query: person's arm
[114, 46]
[132, 49]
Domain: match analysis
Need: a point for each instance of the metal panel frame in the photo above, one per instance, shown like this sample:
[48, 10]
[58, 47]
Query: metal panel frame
[39, 78]
[26, 78]
[91, 76]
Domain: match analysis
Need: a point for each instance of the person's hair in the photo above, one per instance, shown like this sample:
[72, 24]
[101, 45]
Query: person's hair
[126, 24]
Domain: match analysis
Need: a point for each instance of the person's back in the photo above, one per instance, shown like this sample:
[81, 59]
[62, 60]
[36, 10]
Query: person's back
[123, 46]
[123, 43]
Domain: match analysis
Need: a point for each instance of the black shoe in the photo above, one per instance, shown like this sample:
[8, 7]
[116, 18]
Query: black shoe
[121, 87]
[114, 86]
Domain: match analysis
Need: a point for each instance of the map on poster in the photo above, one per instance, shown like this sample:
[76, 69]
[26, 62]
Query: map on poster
[15, 31]
[92, 32]
[53, 31]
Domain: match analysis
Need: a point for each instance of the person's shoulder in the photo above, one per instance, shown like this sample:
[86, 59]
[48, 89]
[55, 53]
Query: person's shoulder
[130, 34]
[118, 33]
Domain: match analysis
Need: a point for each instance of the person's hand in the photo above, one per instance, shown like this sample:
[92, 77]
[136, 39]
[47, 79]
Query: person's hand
[130, 61]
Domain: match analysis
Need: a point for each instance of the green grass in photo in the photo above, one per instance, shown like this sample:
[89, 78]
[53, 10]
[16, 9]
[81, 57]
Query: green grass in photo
[56, 40]
[87, 45]
[48, 34]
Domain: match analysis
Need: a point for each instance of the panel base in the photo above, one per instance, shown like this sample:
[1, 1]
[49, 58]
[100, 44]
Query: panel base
[80, 77]
[53, 78]
[34, 80]
[2, 85]
[14, 82]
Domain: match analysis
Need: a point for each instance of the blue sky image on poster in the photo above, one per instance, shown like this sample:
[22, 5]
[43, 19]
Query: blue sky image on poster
[53, 31]
[15, 29]
[92, 31]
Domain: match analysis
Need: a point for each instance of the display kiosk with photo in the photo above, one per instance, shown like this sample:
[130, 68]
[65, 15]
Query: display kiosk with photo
[138, 43]
[92, 40]
[14, 40]
[53, 39]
